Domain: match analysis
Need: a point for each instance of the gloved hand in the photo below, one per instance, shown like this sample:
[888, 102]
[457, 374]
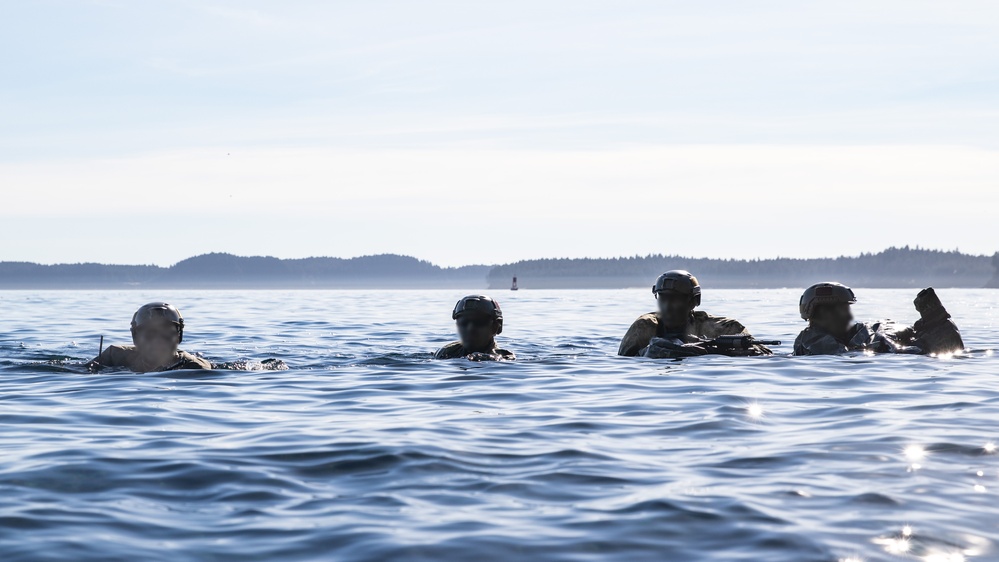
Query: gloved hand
[672, 348]
[935, 331]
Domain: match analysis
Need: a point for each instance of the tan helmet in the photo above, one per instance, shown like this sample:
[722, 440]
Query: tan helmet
[828, 292]
[680, 282]
[158, 311]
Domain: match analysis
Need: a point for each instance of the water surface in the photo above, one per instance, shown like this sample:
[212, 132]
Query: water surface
[367, 450]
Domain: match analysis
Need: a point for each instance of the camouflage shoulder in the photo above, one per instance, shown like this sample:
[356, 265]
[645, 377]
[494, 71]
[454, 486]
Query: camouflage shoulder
[650, 318]
[115, 356]
[642, 330]
[725, 326]
[453, 350]
[645, 323]
[191, 361]
[812, 342]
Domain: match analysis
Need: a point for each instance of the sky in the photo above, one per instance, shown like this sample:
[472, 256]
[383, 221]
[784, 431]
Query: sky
[489, 132]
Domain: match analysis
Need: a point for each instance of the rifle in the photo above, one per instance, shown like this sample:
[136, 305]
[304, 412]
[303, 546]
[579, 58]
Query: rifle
[736, 346]
[738, 342]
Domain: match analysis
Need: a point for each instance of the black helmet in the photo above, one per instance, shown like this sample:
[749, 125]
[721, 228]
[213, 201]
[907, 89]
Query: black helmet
[829, 292]
[158, 310]
[480, 304]
[678, 281]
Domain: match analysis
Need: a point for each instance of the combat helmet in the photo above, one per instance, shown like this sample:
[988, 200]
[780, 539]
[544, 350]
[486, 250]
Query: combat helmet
[479, 304]
[158, 310]
[828, 292]
[680, 282]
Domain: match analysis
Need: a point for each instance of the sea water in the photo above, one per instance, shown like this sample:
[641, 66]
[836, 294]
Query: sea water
[365, 449]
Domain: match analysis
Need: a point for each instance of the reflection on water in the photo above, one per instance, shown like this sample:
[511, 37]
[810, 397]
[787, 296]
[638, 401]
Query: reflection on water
[914, 453]
[362, 448]
[907, 545]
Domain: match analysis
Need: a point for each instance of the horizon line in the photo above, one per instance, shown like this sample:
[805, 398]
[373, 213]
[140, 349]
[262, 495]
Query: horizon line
[493, 265]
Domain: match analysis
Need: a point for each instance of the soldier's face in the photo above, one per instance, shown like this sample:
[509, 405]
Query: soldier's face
[675, 308]
[476, 331]
[835, 318]
[157, 338]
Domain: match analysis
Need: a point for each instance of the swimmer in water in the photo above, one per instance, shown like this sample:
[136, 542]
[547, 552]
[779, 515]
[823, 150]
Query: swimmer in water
[677, 330]
[831, 329]
[479, 320]
[157, 330]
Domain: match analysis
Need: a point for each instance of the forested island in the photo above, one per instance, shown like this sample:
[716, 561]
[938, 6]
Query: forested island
[226, 271]
[895, 267]
[892, 268]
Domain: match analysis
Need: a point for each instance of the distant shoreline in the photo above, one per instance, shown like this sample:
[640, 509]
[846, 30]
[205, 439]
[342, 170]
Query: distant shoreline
[894, 268]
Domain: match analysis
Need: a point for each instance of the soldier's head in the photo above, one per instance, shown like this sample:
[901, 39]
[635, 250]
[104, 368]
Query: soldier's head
[479, 320]
[157, 329]
[677, 293]
[827, 306]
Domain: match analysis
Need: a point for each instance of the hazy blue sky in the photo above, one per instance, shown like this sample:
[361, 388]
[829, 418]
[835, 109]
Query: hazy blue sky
[463, 132]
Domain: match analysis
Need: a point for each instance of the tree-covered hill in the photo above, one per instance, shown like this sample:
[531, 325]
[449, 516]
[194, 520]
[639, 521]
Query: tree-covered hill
[894, 267]
[229, 271]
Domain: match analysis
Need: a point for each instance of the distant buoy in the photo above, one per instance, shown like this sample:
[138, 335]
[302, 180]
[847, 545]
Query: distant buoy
[514, 286]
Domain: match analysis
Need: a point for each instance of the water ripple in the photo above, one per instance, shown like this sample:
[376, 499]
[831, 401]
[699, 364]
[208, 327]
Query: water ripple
[365, 449]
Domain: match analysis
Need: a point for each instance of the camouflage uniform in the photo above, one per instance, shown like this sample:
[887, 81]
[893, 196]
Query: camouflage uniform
[123, 356]
[882, 337]
[860, 337]
[934, 332]
[455, 350]
[701, 325]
